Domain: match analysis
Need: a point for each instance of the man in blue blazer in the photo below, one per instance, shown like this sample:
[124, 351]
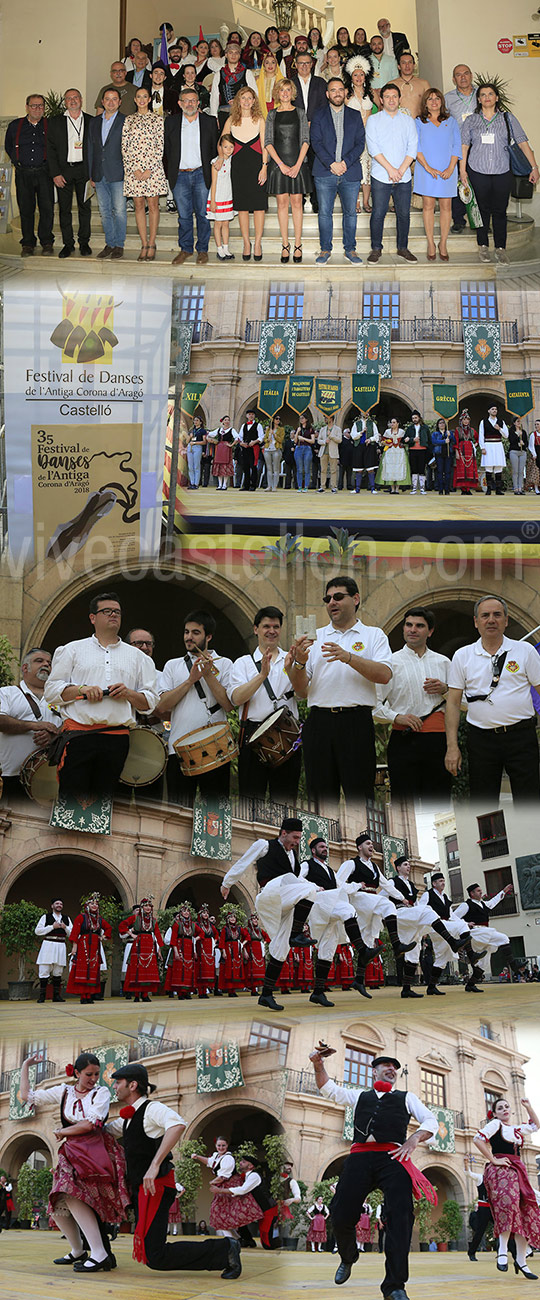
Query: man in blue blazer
[337, 140]
[106, 171]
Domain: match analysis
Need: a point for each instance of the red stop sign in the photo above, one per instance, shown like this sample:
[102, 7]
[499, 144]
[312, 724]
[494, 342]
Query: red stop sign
[505, 45]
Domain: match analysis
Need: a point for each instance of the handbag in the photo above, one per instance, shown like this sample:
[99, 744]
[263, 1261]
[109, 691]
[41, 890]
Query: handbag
[522, 187]
[88, 1155]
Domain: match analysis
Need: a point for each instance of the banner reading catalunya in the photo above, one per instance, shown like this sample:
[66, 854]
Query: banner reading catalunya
[86, 380]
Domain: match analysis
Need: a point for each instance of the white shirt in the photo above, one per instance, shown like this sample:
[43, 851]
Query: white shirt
[192, 713]
[221, 429]
[508, 1132]
[92, 1105]
[482, 429]
[14, 750]
[337, 685]
[260, 706]
[405, 692]
[250, 1181]
[190, 151]
[226, 1164]
[304, 87]
[75, 137]
[43, 930]
[304, 868]
[157, 1119]
[471, 671]
[359, 427]
[461, 909]
[89, 663]
[415, 1107]
[258, 849]
[346, 870]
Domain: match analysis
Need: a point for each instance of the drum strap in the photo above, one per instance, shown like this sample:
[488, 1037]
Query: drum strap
[31, 704]
[287, 695]
[212, 708]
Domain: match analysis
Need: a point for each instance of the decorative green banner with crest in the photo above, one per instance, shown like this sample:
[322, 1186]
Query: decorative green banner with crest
[482, 340]
[271, 395]
[19, 1109]
[218, 1067]
[184, 339]
[373, 348]
[277, 347]
[348, 1124]
[190, 398]
[300, 392]
[111, 1058]
[212, 827]
[94, 819]
[444, 1139]
[445, 400]
[312, 825]
[365, 392]
[393, 846]
[328, 395]
[519, 396]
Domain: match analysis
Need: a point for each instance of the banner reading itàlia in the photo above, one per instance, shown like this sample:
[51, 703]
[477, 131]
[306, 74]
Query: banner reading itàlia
[86, 380]
[271, 395]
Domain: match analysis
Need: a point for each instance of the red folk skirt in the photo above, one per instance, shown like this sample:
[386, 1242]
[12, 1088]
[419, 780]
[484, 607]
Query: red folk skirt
[232, 1212]
[255, 965]
[142, 975]
[511, 1213]
[84, 972]
[317, 1228]
[205, 971]
[108, 1197]
[180, 977]
[231, 972]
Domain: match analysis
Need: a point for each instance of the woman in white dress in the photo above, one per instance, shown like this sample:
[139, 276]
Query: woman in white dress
[358, 74]
[394, 469]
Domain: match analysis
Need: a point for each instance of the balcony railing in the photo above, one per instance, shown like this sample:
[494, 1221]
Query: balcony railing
[45, 1070]
[156, 1048]
[272, 814]
[494, 848]
[342, 329]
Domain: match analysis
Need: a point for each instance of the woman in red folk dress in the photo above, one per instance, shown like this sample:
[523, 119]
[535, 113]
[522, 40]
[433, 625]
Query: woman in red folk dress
[466, 469]
[286, 977]
[255, 955]
[317, 1214]
[89, 928]
[206, 941]
[512, 1199]
[142, 975]
[232, 941]
[180, 976]
[344, 966]
[89, 1184]
[303, 963]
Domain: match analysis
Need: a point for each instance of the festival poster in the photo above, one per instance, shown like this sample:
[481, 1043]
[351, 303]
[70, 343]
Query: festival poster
[328, 395]
[84, 477]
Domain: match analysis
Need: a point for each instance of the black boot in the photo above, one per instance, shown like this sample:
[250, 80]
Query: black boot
[42, 990]
[489, 481]
[398, 947]
[57, 989]
[321, 975]
[300, 916]
[472, 956]
[352, 930]
[271, 976]
[359, 983]
[455, 944]
[409, 969]
[432, 990]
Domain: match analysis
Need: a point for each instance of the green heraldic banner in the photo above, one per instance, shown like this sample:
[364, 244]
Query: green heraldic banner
[328, 395]
[373, 348]
[519, 396]
[218, 1067]
[445, 400]
[184, 339]
[365, 392]
[271, 395]
[482, 341]
[300, 392]
[212, 828]
[277, 347]
[190, 398]
[444, 1139]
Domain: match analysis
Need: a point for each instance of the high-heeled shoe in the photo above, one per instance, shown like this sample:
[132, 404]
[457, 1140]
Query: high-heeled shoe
[143, 254]
[432, 257]
[246, 257]
[502, 1267]
[522, 1268]
[285, 252]
[297, 255]
[257, 257]
[443, 256]
[151, 253]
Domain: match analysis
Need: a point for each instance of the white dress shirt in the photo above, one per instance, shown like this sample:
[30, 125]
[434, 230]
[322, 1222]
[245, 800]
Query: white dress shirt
[337, 685]
[14, 750]
[192, 712]
[157, 1119]
[89, 663]
[349, 1097]
[405, 692]
[508, 1132]
[257, 850]
[471, 671]
[251, 1181]
[75, 137]
[461, 909]
[260, 706]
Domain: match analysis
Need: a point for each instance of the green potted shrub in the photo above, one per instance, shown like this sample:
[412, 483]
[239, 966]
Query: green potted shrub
[17, 933]
[300, 1228]
[43, 1184]
[189, 1174]
[422, 1215]
[449, 1226]
[26, 1195]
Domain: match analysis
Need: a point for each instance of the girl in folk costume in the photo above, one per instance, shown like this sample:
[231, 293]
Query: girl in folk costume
[317, 1214]
[219, 208]
[303, 955]
[394, 469]
[466, 469]
[363, 1227]
[89, 1186]
[223, 1167]
[175, 1212]
[232, 941]
[142, 974]
[344, 966]
[223, 441]
[206, 941]
[511, 1196]
[180, 976]
[255, 955]
[89, 928]
[532, 477]
[243, 1200]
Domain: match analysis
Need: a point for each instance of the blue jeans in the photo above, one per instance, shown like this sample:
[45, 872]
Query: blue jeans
[327, 188]
[191, 195]
[113, 212]
[445, 472]
[380, 198]
[303, 456]
[194, 457]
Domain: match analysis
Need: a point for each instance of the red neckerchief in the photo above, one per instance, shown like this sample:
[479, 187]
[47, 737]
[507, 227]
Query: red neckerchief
[233, 75]
[383, 1087]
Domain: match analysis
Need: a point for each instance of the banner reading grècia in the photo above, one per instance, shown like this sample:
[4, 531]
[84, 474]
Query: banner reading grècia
[519, 396]
[445, 400]
[86, 380]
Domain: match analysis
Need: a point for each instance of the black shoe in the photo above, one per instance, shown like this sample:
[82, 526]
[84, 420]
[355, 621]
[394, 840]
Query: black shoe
[103, 1266]
[268, 1000]
[435, 992]
[410, 993]
[56, 998]
[503, 1268]
[321, 999]
[472, 1257]
[343, 1273]
[471, 988]
[401, 948]
[456, 229]
[42, 997]
[65, 251]
[400, 1294]
[72, 1259]
[85, 250]
[234, 1266]
[360, 988]
[520, 1268]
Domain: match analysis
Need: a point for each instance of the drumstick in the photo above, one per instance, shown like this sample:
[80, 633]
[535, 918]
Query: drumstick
[105, 692]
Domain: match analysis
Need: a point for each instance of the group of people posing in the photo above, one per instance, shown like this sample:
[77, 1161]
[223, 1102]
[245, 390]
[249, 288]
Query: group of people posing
[217, 132]
[418, 457]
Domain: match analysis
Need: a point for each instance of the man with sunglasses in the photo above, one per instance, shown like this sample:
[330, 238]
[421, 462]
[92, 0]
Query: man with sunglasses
[98, 684]
[338, 674]
[495, 674]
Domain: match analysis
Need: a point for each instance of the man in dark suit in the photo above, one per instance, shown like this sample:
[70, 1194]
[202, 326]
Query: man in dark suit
[190, 146]
[139, 76]
[311, 96]
[106, 172]
[67, 157]
[337, 138]
[394, 42]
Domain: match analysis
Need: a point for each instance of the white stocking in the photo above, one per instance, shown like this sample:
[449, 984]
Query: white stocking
[87, 1221]
[502, 1248]
[521, 1249]
[66, 1224]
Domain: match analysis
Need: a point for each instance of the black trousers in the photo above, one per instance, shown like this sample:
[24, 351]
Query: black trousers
[345, 477]
[362, 1173]
[459, 212]
[92, 765]
[416, 764]
[482, 1219]
[492, 195]
[75, 178]
[183, 789]
[515, 751]
[34, 185]
[258, 780]
[339, 753]
[417, 459]
[208, 1253]
[249, 468]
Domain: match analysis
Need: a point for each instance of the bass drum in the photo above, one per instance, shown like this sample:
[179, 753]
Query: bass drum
[277, 738]
[146, 758]
[38, 779]
[204, 750]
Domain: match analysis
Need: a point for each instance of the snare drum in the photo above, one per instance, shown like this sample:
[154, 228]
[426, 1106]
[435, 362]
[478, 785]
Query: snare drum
[277, 738]
[39, 781]
[202, 751]
[146, 757]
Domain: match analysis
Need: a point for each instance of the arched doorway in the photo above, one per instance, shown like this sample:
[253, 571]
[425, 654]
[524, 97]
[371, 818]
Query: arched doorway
[69, 876]
[335, 1167]
[448, 1187]
[237, 1123]
[204, 887]
[477, 404]
[25, 1147]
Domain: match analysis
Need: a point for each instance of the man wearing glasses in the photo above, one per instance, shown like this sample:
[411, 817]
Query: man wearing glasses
[495, 674]
[338, 673]
[98, 683]
[26, 145]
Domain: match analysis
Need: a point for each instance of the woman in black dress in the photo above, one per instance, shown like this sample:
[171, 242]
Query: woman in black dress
[287, 141]
[248, 167]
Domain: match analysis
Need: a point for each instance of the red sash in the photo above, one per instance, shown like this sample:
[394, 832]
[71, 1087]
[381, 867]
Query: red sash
[419, 1181]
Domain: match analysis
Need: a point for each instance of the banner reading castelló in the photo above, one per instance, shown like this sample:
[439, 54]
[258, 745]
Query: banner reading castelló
[86, 380]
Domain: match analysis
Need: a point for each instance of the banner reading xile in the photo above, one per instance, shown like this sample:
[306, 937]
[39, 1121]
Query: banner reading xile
[445, 400]
[86, 380]
[519, 396]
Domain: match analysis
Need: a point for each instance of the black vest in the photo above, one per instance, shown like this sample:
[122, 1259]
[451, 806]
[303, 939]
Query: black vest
[382, 1116]
[262, 1196]
[477, 912]
[249, 434]
[365, 873]
[406, 888]
[140, 1150]
[440, 904]
[320, 875]
[275, 863]
[500, 1147]
[55, 934]
[223, 87]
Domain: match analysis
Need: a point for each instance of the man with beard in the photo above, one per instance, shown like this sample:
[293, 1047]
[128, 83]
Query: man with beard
[27, 722]
[54, 929]
[259, 687]
[195, 693]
